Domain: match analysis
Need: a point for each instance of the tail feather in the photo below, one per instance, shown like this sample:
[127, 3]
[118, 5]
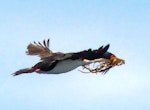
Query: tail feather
[21, 71]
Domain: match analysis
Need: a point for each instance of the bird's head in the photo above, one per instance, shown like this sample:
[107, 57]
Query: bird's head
[116, 61]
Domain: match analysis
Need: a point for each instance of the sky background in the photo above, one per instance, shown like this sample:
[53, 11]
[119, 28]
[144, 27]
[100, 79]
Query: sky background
[75, 25]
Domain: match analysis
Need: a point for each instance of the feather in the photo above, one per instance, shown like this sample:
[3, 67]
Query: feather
[42, 50]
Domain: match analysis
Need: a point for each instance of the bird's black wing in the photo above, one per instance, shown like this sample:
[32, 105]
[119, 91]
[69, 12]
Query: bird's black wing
[90, 54]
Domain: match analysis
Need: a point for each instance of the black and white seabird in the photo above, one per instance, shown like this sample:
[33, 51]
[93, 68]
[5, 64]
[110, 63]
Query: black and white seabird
[58, 62]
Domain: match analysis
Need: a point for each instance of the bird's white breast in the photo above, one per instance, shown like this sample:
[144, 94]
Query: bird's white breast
[65, 66]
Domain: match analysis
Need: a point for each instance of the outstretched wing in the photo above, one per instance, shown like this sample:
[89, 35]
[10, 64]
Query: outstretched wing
[91, 54]
[37, 48]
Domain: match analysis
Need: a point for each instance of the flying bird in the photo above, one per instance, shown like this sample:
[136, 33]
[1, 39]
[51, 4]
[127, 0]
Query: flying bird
[58, 62]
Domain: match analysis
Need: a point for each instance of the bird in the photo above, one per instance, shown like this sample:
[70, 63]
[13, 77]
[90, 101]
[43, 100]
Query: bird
[59, 62]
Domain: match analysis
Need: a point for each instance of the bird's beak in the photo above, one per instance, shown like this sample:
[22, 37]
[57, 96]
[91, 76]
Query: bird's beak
[117, 61]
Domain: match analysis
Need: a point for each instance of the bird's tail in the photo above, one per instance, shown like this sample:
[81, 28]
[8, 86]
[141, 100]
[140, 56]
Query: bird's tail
[21, 71]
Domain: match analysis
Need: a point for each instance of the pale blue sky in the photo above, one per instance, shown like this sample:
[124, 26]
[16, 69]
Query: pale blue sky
[75, 25]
